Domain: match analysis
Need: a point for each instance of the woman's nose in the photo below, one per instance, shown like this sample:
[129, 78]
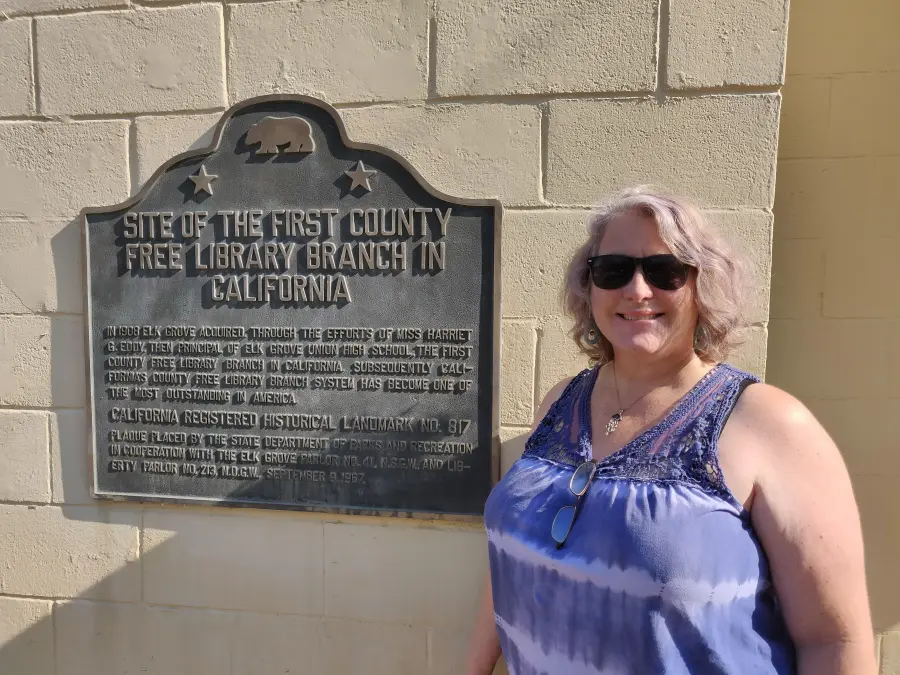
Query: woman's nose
[638, 289]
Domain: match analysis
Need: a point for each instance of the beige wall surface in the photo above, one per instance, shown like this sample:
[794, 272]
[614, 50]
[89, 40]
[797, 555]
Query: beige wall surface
[546, 105]
[835, 328]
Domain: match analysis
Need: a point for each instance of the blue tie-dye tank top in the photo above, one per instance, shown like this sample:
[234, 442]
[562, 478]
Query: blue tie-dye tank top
[662, 572]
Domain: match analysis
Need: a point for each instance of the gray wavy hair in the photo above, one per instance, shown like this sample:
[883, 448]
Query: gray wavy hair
[685, 230]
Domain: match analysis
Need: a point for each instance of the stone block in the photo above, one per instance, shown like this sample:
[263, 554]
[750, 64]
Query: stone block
[153, 60]
[718, 150]
[893, 361]
[55, 169]
[15, 67]
[804, 117]
[879, 513]
[749, 235]
[373, 648]
[558, 357]
[751, 354]
[70, 457]
[161, 138]
[40, 267]
[535, 251]
[369, 50]
[890, 653]
[476, 151]
[42, 361]
[798, 278]
[860, 278]
[18, 7]
[512, 445]
[505, 47]
[277, 643]
[811, 199]
[868, 449]
[728, 43]
[447, 653]
[24, 456]
[233, 561]
[863, 116]
[820, 43]
[73, 551]
[99, 638]
[26, 637]
[517, 373]
[810, 357]
[409, 574]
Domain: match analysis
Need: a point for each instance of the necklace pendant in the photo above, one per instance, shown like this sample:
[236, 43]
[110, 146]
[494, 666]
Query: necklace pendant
[613, 422]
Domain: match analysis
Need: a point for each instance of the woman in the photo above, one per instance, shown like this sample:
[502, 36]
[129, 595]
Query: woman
[670, 514]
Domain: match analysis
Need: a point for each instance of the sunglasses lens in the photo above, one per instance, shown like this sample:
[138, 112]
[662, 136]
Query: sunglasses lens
[581, 478]
[611, 271]
[666, 272]
[562, 524]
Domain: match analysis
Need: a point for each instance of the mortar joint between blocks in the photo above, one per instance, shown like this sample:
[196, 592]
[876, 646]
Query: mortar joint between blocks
[54, 628]
[52, 13]
[431, 91]
[226, 49]
[35, 81]
[544, 150]
[662, 50]
[50, 490]
[131, 157]
[536, 384]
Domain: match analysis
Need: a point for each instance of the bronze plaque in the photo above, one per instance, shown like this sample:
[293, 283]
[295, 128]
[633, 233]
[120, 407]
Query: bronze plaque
[290, 319]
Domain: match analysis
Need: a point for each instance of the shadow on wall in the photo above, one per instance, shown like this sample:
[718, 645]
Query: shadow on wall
[195, 591]
[99, 588]
[140, 618]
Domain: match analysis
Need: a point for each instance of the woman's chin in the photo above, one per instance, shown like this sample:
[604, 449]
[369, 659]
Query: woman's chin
[638, 344]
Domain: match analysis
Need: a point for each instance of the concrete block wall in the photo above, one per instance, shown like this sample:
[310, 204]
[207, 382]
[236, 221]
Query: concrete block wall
[835, 327]
[547, 106]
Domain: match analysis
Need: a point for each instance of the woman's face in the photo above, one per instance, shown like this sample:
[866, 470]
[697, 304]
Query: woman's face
[640, 318]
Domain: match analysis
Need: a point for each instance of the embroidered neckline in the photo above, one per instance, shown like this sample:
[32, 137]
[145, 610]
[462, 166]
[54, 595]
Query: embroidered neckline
[586, 444]
[680, 448]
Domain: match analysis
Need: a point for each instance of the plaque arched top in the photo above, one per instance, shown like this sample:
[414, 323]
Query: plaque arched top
[284, 133]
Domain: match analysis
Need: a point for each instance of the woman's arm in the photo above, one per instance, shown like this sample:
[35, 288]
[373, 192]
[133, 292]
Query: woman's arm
[806, 516]
[484, 645]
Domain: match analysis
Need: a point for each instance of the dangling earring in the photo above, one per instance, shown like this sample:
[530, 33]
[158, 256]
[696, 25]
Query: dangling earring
[700, 337]
[592, 333]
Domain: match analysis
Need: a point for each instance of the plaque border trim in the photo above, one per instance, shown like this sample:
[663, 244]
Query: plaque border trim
[277, 505]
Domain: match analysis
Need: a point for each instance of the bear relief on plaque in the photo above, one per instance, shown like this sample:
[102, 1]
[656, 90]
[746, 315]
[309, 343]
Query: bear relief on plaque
[291, 319]
[292, 134]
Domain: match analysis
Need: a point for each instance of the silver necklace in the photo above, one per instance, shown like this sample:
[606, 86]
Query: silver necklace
[617, 416]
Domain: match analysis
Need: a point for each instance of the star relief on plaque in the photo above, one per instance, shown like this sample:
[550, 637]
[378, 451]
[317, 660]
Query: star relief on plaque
[360, 177]
[203, 181]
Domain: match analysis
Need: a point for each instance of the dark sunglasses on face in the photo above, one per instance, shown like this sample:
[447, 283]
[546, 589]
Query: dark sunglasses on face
[665, 272]
[565, 517]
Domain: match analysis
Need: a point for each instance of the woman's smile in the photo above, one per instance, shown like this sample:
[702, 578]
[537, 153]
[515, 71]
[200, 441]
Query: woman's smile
[643, 317]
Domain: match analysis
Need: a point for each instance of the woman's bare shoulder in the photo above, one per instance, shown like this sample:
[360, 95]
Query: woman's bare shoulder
[781, 427]
[772, 410]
